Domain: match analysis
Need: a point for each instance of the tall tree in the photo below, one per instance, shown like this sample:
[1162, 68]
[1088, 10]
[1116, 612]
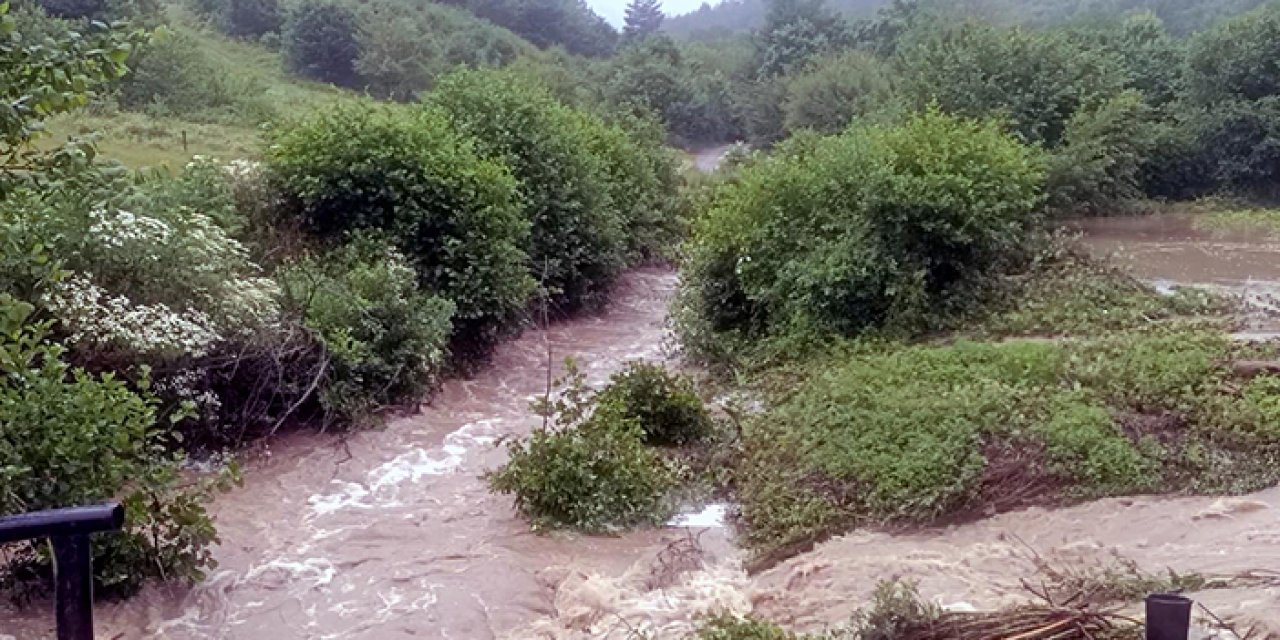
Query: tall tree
[795, 32]
[644, 17]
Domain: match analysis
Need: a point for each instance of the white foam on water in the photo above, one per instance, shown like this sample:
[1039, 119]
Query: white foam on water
[296, 576]
[712, 516]
[382, 487]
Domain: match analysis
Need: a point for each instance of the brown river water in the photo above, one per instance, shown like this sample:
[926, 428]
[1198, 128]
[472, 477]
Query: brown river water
[393, 534]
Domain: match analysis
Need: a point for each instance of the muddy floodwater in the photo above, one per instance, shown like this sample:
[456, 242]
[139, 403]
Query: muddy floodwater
[393, 534]
[1169, 251]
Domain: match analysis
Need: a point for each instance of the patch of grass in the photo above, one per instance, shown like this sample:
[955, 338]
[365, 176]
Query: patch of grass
[921, 434]
[155, 139]
[286, 92]
[139, 141]
[1241, 223]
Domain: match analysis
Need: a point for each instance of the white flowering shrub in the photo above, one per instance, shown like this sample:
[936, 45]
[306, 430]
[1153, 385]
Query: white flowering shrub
[150, 274]
[98, 321]
[168, 283]
[97, 438]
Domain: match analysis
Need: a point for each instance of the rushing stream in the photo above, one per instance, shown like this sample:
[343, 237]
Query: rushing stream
[393, 534]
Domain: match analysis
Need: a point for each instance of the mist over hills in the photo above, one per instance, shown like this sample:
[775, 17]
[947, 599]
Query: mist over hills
[1179, 16]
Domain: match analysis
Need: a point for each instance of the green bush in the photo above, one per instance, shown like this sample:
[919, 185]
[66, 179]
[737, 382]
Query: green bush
[1097, 168]
[386, 341]
[588, 469]
[1035, 80]
[321, 42]
[251, 18]
[577, 246]
[643, 184]
[405, 46]
[406, 173]
[70, 438]
[665, 406]
[1235, 60]
[883, 226]
[1238, 144]
[833, 91]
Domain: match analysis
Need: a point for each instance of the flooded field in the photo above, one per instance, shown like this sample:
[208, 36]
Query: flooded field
[1169, 251]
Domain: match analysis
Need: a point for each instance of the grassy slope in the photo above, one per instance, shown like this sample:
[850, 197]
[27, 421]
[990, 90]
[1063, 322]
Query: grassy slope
[141, 140]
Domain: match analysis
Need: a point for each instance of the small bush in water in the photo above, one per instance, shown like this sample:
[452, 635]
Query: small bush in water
[590, 470]
[664, 404]
[730, 628]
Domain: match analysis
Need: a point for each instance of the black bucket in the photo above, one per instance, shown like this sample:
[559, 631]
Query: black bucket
[1168, 617]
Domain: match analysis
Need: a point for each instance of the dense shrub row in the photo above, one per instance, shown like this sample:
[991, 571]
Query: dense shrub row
[147, 316]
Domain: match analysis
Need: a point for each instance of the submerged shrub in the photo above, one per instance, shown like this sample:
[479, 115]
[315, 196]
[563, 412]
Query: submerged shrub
[588, 469]
[577, 246]
[665, 405]
[386, 341]
[726, 627]
[407, 174]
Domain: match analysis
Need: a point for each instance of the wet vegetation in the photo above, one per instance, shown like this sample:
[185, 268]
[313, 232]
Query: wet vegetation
[365, 253]
[405, 184]
[589, 467]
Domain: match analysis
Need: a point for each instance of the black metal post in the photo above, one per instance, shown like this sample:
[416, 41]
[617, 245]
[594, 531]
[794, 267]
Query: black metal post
[1168, 617]
[68, 533]
[73, 586]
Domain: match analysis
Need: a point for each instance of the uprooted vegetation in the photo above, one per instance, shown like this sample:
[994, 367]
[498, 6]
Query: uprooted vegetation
[1064, 602]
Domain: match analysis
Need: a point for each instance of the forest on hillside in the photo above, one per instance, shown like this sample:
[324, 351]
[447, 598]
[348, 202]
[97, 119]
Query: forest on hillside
[1180, 16]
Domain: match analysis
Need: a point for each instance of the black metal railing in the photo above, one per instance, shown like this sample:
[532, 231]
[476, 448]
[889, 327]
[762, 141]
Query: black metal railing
[68, 532]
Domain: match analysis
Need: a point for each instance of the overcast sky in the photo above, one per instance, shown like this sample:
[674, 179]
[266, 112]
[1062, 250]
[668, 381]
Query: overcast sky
[615, 10]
